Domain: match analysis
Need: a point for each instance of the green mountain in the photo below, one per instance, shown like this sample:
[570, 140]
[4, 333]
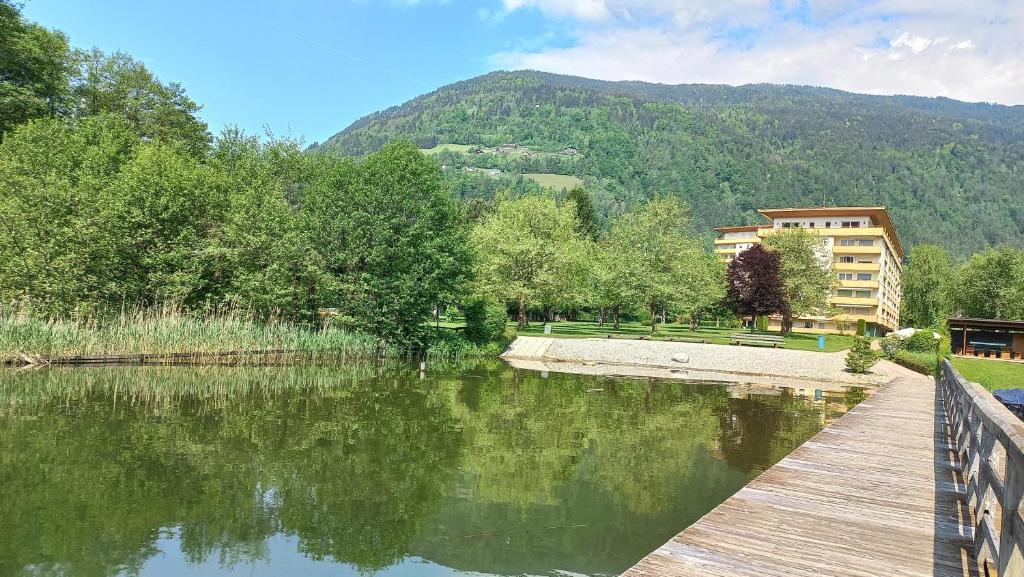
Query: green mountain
[951, 172]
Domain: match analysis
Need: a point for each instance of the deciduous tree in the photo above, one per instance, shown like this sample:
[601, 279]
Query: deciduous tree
[527, 250]
[755, 284]
[927, 278]
[807, 277]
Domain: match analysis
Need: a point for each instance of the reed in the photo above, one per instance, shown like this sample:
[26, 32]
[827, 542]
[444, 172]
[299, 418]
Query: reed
[217, 336]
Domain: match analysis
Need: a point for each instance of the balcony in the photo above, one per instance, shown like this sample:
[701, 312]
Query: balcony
[857, 266]
[855, 318]
[737, 240]
[868, 284]
[839, 249]
[854, 301]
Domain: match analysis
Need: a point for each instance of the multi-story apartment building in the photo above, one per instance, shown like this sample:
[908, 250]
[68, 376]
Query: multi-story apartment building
[862, 246]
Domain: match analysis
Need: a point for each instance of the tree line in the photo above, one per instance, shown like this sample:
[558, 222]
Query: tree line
[116, 195]
[990, 284]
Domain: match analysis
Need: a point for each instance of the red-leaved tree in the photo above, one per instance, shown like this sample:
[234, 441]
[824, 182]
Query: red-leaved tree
[755, 284]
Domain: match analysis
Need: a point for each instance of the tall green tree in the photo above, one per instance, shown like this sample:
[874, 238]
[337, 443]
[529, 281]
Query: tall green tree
[393, 239]
[56, 248]
[991, 285]
[527, 250]
[586, 216]
[35, 68]
[665, 265]
[927, 279]
[119, 84]
[807, 277]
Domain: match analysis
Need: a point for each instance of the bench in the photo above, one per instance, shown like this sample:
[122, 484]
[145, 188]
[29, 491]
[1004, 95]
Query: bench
[774, 341]
[686, 340]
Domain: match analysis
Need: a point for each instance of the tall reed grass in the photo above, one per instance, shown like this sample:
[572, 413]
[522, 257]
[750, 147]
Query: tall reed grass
[26, 338]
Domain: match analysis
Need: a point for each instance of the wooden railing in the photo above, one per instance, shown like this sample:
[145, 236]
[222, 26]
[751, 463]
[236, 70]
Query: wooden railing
[990, 442]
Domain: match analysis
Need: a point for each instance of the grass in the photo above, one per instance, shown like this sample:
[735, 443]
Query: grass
[991, 373]
[555, 181]
[461, 148]
[715, 335]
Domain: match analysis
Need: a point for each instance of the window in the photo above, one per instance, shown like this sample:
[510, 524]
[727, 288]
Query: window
[821, 325]
[866, 242]
[846, 242]
[810, 225]
[846, 259]
[808, 325]
[791, 225]
[828, 224]
[863, 276]
[846, 276]
[862, 294]
[844, 293]
[851, 224]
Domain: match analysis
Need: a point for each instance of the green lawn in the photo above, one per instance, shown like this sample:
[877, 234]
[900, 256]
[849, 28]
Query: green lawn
[555, 181]
[991, 373]
[583, 329]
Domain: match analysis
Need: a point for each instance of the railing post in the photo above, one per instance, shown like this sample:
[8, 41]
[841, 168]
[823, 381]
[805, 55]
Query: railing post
[1011, 559]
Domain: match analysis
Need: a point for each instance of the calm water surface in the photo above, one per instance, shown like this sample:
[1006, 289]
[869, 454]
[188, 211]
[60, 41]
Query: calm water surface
[368, 470]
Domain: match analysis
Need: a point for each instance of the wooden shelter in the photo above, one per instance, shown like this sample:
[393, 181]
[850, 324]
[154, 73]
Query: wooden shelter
[994, 338]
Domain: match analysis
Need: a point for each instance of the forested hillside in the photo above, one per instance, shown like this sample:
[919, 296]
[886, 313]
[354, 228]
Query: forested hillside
[952, 173]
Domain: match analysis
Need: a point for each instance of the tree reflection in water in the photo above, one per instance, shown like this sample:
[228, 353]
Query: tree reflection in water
[481, 468]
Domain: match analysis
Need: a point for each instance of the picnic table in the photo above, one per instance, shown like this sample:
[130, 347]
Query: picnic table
[987, 347]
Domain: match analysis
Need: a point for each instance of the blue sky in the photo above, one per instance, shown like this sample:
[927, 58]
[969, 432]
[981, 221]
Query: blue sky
[308, 69]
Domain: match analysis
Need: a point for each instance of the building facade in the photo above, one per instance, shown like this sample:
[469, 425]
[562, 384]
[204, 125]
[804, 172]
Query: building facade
[863, 249]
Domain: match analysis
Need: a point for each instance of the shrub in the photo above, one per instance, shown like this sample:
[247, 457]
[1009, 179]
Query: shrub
[891, 345]
[761, 323]
[924, 363]
[945, 348]
[452, 313]
[861, 357]
[485, 320]
[921, 342]
[862, 327]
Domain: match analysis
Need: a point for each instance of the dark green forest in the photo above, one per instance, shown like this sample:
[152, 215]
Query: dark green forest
[950, 172]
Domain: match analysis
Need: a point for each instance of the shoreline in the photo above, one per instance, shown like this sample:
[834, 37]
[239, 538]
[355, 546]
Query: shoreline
[691, 361]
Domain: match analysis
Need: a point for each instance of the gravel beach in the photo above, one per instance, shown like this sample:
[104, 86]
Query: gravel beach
[737, 360]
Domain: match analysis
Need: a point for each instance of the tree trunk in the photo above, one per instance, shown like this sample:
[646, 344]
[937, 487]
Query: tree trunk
[616, 316]
[694, 322]
[600, 317]
[654, 317]
[522, 313]
[437, 315]
[787, 324]
[662, 315]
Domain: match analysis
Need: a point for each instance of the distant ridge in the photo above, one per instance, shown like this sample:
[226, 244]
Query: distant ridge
[951, 172]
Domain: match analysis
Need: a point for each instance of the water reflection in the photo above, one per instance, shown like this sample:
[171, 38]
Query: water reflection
[142, 470]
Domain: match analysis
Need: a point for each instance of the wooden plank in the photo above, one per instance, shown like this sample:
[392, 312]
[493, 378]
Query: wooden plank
[878, 492]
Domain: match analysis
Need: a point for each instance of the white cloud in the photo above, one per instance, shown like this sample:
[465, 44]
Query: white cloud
[965, 50]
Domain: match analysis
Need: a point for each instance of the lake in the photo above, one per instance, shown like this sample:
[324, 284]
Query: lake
[472, 470]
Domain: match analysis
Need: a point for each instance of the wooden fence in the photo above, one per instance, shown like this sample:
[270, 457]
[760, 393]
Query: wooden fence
[990, 442]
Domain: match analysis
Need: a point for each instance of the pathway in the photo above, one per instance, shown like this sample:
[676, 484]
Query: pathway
[872, 494]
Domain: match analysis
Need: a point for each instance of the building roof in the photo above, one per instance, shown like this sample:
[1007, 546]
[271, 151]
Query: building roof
[877, 213]
[998, 324]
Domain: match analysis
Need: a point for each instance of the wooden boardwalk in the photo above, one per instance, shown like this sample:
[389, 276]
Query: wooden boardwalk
[875, 493]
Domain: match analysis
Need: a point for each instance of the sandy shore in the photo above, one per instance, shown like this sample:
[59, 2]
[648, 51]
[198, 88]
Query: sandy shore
[723, 363]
